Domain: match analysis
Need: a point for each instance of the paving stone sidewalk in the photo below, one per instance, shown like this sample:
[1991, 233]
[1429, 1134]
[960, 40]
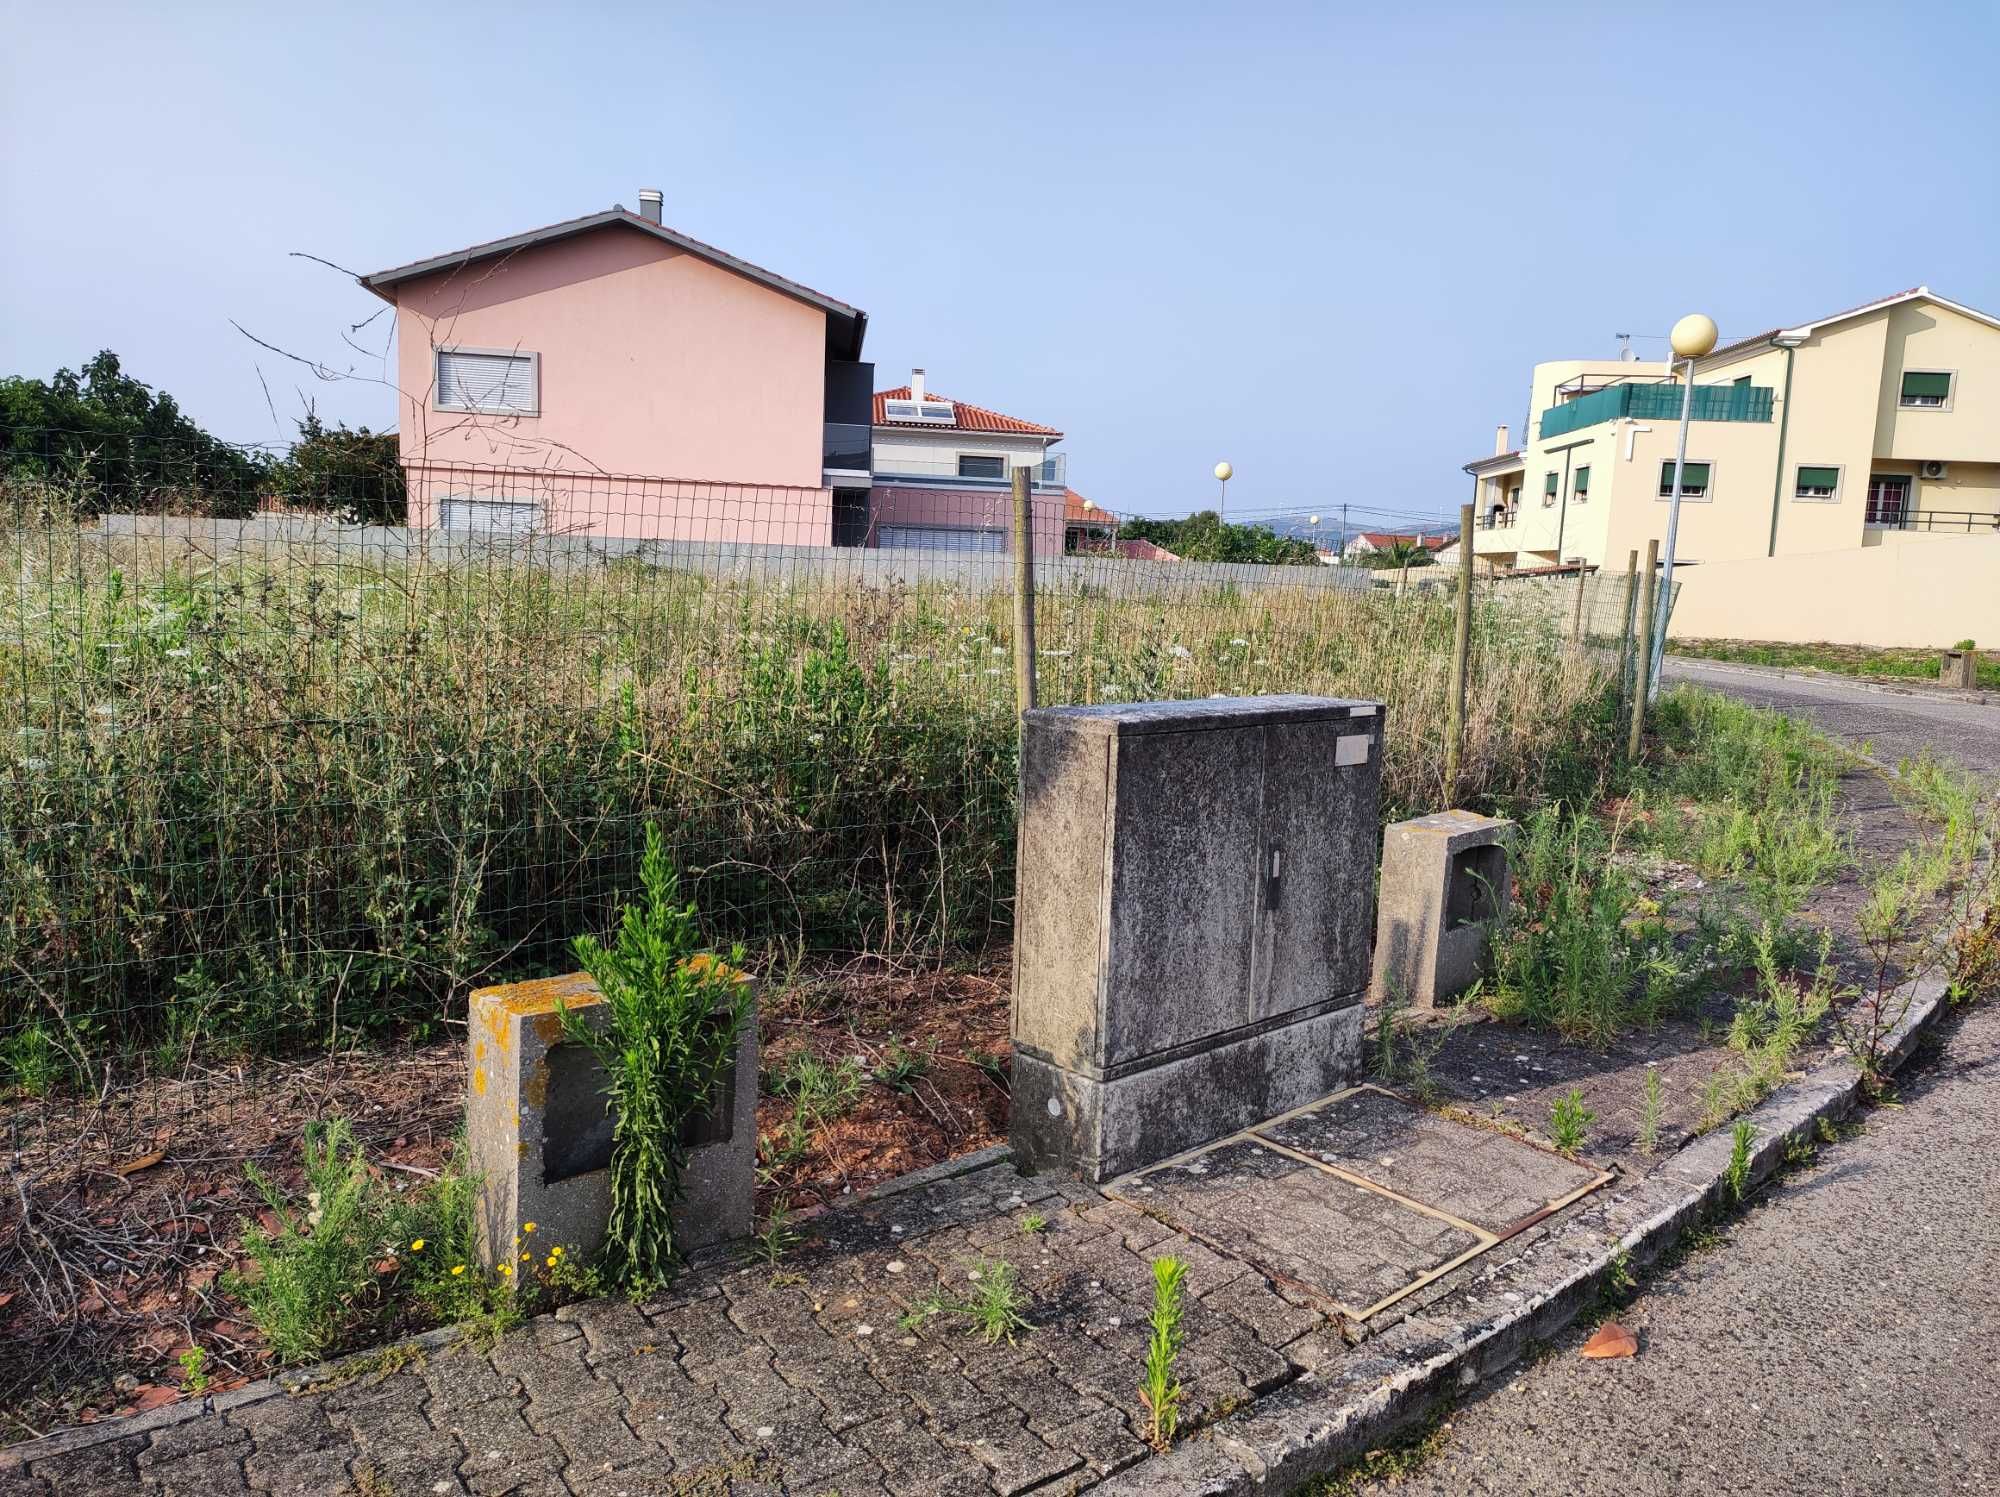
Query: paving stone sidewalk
[799, 1379]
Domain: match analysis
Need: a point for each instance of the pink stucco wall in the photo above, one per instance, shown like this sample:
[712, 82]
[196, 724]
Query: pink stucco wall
[653, 362]
[966, 508]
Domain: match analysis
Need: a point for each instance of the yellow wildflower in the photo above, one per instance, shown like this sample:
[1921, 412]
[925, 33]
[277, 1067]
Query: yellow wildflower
[550, 1261]
[417, 1246]
[506, 1268]
[527, 1226]
[458, 1270]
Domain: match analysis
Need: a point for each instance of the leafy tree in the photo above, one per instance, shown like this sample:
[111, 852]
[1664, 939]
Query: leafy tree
[112, 442]
[355, 473]
[1397, 555]
[1208, 537]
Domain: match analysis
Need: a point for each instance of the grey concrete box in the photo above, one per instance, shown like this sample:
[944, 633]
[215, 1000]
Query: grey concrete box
[538, 1128]
[1959, 668]
[1444, 886]
[1195, 899]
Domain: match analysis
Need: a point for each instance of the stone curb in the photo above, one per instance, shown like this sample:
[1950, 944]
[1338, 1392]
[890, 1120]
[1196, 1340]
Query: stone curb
[1930, 691]
[293, 1380]
[1326, 1419]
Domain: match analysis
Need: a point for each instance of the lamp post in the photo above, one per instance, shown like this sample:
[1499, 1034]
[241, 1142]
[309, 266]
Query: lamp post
[1692, 338]
[1223, 473]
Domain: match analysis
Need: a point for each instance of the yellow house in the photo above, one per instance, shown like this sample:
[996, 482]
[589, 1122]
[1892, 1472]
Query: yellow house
[1873, 427]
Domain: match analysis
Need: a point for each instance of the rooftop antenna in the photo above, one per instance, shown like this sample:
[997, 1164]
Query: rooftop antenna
[1625, 354]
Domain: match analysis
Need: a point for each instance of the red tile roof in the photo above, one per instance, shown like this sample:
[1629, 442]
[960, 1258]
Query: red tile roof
[1383, 539]
[1143, 551]
[1078, 510]
[966, 417]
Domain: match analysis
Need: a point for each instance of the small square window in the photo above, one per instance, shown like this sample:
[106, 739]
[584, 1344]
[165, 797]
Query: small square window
[1926, 389]
[1816, 483]
[1694, 480]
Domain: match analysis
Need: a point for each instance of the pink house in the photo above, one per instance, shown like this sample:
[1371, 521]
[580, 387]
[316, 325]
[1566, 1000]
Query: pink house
[611, 376]
[943, 474]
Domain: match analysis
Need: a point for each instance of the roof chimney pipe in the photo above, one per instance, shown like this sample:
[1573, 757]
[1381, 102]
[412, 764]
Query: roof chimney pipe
[916, 384]
[649, 204]
[1500, 441]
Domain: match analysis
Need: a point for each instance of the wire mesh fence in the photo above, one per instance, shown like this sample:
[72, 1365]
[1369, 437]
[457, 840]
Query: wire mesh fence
[278, 782]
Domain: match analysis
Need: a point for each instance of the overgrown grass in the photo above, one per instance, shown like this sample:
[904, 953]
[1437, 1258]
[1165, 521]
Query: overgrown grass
[1746, 795]
[1886, 663]
[271, 803]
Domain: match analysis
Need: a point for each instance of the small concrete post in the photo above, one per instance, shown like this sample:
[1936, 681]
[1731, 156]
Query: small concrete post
[1444, 885]
[1576, 617]
[1195, 898]
[1645, 651]
[1024, 593]
[538, 1128]
[1461, 655]
[1959, 668]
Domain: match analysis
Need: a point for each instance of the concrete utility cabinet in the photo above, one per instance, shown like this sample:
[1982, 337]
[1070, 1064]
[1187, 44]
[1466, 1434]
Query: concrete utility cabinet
[1444, 884]
[1196, 889]
[538, 1129]
[1959, 668]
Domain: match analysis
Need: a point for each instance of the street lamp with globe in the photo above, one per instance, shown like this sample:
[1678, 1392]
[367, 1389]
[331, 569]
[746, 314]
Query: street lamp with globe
[1693, 337]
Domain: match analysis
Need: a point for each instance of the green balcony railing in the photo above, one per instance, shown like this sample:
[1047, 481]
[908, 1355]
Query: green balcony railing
[1657, 403]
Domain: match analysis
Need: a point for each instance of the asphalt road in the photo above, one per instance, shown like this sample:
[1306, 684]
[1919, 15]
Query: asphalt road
[1893, 724]
[1845, 1335]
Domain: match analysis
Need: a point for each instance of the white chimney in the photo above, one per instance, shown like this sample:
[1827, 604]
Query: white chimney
[1499, 441]
[649, 204]
[916, 384]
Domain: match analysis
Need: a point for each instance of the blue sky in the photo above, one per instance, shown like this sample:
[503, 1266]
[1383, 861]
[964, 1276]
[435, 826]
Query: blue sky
[1324, 245]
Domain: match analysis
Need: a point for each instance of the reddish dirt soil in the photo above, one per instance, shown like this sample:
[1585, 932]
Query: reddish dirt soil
[121, 1213]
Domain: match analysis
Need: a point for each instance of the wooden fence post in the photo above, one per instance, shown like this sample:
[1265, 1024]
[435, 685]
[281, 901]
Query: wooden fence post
[1461, 651]
[1024, 593]
[1625, 628]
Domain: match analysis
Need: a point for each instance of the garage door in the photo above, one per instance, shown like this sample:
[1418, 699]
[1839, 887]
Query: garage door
[490, 516]
[942, 538]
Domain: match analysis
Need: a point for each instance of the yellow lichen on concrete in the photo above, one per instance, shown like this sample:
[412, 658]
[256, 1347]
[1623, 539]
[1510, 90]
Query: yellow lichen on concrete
[479, 1080]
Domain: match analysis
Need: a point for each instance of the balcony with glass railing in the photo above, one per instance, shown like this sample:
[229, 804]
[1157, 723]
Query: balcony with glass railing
[1657, 402]
[844, 446]
[970, 469]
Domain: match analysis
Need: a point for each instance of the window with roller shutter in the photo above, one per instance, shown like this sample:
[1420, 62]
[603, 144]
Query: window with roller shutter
[489, 382]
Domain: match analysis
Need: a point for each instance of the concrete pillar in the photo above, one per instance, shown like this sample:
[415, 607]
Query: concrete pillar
[538, 1128]
[1444, 884]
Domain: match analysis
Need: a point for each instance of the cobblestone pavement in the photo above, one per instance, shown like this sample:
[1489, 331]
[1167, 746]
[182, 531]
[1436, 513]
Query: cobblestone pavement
[798, 1379]
[1840, 1342]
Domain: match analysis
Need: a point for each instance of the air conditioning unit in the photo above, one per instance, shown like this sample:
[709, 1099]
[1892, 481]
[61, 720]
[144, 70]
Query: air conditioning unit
[1933, 470]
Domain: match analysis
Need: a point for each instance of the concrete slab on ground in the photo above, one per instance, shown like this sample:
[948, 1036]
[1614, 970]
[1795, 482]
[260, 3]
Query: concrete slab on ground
[1360, 1198]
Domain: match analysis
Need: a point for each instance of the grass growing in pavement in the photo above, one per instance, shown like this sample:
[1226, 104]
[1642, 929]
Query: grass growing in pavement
[1161, 1391]
[991, 1309]
[1846, 660]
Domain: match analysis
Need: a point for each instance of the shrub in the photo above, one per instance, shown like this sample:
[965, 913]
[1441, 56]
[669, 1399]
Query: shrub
[672, 1014]
[359, 1254]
